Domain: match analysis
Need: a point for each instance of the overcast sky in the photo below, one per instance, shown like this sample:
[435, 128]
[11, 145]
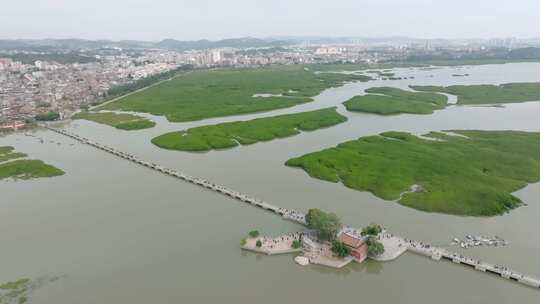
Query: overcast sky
[217, 19]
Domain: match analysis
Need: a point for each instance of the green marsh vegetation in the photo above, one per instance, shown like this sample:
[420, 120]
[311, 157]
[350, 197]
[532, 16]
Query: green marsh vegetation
[221, 92]
[11, 166]
[6, 153]
[14, 292]
[121, 121]
[489, 94]
[387, 101]
[142, 83]
[472, 174]
[232, 134]
[20, 291]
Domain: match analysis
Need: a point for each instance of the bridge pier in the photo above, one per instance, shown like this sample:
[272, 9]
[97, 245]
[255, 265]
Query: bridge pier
[480, 268]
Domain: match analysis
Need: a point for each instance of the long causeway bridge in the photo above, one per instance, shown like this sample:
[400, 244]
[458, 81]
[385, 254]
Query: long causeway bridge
[435, 253]
[288, 214]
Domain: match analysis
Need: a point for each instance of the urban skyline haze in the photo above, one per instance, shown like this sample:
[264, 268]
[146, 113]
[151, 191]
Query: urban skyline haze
[210, 19]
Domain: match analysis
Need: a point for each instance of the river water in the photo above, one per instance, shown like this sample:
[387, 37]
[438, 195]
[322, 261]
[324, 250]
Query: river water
[121, 233]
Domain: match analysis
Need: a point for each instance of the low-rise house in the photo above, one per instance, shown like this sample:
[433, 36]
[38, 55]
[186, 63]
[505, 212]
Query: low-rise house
[357, 245]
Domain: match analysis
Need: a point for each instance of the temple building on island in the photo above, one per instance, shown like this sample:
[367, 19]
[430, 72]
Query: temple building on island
[357, 245]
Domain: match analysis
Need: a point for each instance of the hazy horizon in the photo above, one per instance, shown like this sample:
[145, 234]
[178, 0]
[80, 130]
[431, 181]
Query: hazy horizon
[205, 19]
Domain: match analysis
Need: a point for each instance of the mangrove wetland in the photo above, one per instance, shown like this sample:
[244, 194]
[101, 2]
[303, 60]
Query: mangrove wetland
[387, 100]
[463, 173]
[232, 134]
[223, 92]
[488, 94]
[12, 165]
[112, 223]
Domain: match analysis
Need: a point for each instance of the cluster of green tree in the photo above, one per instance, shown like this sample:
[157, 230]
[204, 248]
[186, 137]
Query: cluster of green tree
[327, 225]
[375, 248]
[492, 165]
[340, 249]
[145, 82]
[62, 58]
[254, 233]
[371, 230]
[49, 116]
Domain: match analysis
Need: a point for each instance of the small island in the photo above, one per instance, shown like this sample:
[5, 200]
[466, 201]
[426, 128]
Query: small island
[420, 172]
[232, 134]
[489, 94]
[388, 101]
[122, 121]
[12, 166]
[328, 242]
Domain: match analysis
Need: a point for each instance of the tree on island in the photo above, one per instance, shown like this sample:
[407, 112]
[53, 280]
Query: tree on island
[375, 248]
[340, 249]
[326, 224]
[259, 243]
[254, 233]
[371, 230]
[296, 244]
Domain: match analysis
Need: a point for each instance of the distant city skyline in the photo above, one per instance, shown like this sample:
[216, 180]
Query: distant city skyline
[205, 19]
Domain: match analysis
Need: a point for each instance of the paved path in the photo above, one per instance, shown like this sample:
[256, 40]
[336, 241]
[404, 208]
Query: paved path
[437, 253]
